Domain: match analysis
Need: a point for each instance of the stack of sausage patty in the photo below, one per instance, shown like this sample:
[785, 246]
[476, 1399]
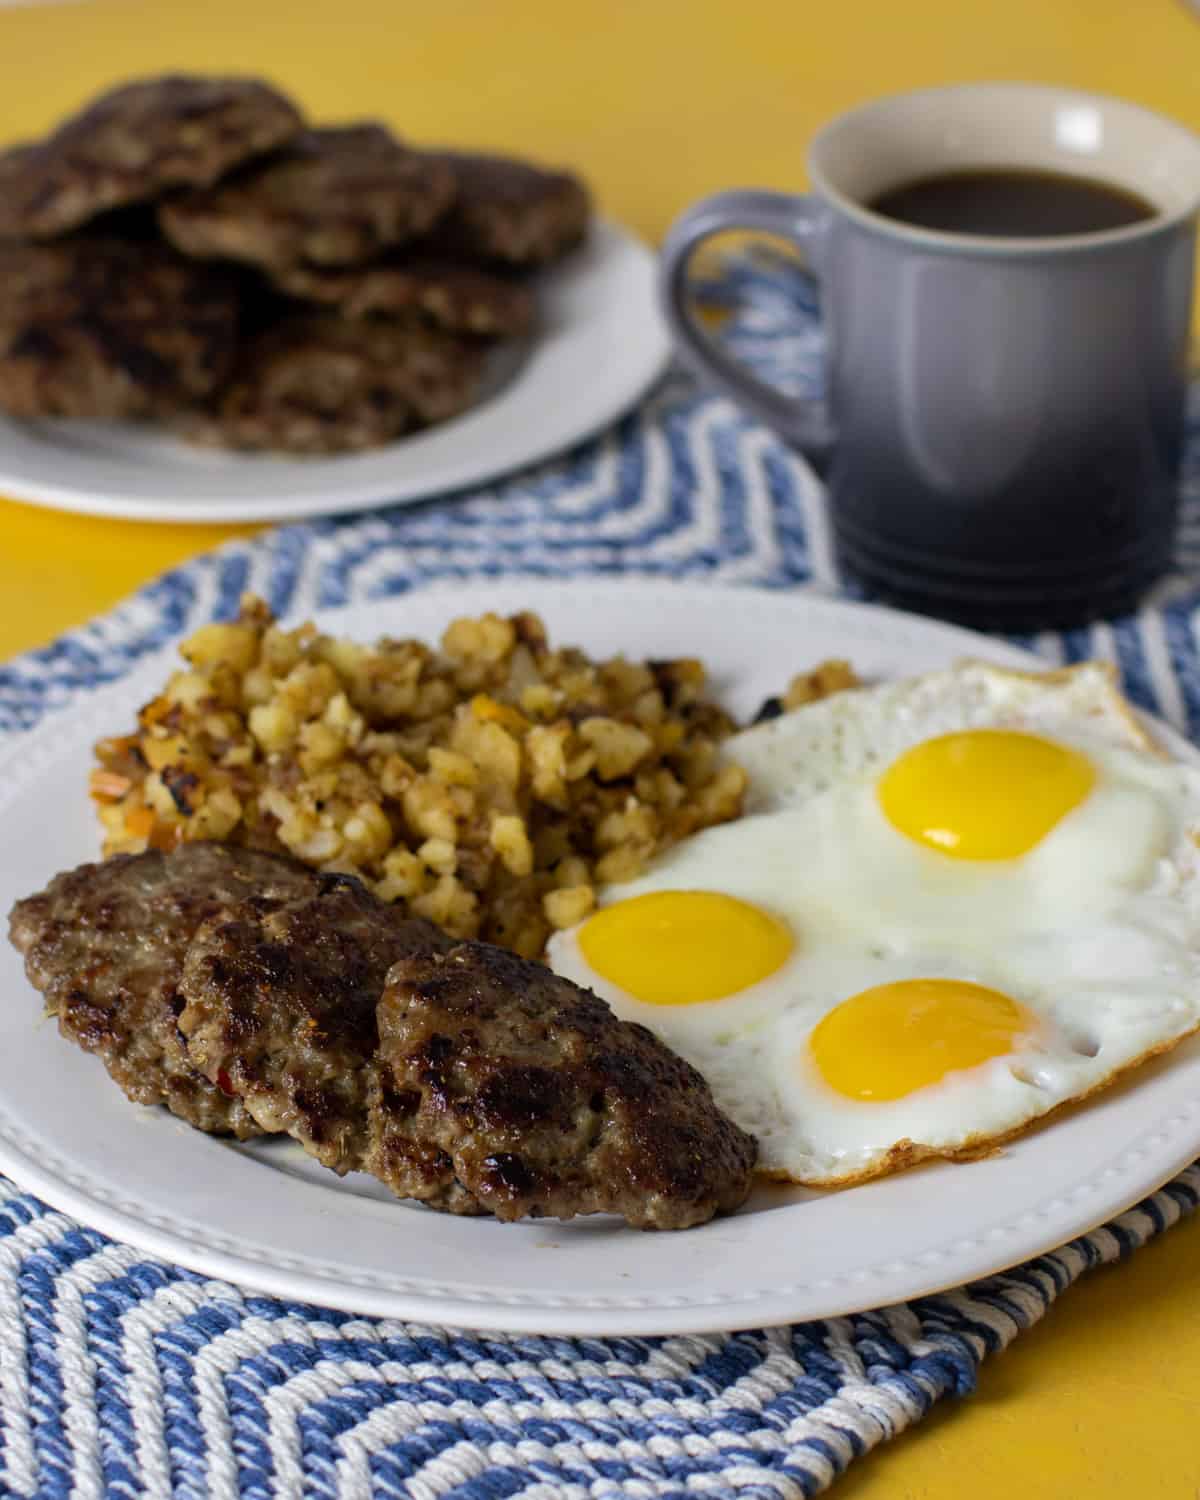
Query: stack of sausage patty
[187, 250]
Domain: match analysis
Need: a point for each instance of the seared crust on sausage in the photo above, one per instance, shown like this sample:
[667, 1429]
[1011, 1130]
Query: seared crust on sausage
[135, 142]
[506, 1089]
[317, 383]
[105, 945]
[281, 997]
[510, 210]
[338, 195]
[104, 327]
[448, 293]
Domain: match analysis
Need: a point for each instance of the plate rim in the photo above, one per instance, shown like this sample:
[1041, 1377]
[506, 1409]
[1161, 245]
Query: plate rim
[1098, 1198]
[612, 241]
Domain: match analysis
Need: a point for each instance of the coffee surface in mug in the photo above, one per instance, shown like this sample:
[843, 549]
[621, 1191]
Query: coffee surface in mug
[1017, 202]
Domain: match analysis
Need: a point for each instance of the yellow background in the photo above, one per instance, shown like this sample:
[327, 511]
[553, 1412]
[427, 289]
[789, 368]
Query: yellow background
[659, 101]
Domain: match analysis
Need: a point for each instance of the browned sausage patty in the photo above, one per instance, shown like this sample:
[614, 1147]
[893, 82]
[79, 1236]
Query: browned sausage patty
[510, 210]
[135, 142]
[96, 326]
[507, 1089]
[317, 383]
[452, 295]
[338, 195]
[105, 945]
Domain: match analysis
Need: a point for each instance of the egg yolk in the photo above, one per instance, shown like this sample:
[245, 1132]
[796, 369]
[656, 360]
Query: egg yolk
[983, 793]
[894, 1039]
[684, 947]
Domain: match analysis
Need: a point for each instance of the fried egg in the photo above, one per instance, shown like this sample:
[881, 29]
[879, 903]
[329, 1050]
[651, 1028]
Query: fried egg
[955, 903]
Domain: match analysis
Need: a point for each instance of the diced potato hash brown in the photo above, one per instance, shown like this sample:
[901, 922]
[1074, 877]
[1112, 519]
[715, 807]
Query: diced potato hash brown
[491, 785]
[825, 679]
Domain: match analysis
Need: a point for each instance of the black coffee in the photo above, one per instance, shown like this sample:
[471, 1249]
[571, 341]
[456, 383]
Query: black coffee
[1013, 201]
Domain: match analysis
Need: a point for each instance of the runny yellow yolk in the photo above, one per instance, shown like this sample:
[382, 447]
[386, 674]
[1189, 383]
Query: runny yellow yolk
[983, 793]
[683, 947]
[894, 1039]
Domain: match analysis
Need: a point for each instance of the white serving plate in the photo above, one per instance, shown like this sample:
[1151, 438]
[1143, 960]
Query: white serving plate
[265, 1216]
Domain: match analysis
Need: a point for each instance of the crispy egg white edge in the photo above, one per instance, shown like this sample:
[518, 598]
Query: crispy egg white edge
[1090, 686]
[907, 1153]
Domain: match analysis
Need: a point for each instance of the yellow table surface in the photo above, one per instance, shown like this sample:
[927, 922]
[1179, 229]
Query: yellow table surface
[659, 102]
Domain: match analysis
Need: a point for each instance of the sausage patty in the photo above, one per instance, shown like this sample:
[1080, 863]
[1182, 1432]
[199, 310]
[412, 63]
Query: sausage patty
[105, 945]
[136, 142]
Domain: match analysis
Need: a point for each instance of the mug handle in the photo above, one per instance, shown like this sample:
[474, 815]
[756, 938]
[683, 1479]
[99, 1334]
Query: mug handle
[801, 219]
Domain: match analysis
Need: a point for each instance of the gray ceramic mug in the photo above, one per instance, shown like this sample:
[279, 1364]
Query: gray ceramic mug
[1004, 416]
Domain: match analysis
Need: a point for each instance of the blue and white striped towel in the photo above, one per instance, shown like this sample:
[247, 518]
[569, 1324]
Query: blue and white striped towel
[124, 1376]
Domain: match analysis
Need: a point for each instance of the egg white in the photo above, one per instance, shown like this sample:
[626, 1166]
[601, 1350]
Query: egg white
[1096, 931]
[860, 733]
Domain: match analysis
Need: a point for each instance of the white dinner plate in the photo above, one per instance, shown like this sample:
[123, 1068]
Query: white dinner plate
[265, 1216]
[601, 342]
